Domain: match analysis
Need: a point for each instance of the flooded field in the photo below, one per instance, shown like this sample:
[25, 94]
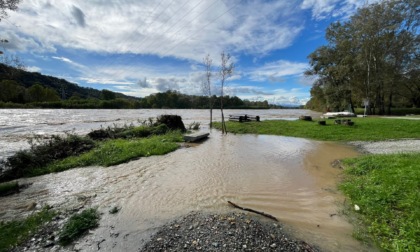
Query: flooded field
[290, 178]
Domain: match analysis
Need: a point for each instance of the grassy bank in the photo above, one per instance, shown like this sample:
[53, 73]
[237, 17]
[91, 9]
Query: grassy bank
[387, 190]
[116, 151]
[365, 129]
[15, 232]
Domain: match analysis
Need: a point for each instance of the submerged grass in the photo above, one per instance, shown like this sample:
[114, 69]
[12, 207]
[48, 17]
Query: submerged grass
[387, 190]
[8, 188]
[14, 232]
[116, 151]
[78, 225]
[365, 129]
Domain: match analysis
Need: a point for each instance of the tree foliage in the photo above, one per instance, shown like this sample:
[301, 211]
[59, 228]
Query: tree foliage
[7, 5]
[374, 56]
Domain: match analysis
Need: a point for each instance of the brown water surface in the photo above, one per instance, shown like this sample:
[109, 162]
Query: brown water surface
[290, 178]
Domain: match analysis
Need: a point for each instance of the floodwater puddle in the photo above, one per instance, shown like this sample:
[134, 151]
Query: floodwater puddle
[290, 178]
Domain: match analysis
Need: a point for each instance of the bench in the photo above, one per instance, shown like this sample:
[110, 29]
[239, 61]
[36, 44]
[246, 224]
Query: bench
[243, 118]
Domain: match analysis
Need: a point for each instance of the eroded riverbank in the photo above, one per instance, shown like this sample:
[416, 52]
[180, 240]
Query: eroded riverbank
[290, 178]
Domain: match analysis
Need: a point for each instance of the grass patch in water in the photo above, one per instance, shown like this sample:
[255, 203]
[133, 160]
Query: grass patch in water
[117, 151]
[365, 129]
[387, 190]
[78, 225]
[14, 232]
[8, 188]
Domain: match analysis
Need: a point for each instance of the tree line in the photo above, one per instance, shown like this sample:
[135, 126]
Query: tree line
[372, 59]
[21, 89]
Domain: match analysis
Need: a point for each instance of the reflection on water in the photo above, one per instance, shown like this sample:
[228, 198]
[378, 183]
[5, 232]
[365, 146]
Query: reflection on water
[290, 178]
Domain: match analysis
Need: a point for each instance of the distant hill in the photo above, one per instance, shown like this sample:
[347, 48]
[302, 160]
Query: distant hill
[65, 90]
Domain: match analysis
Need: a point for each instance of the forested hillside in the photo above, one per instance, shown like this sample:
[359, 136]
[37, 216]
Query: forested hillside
[14, 82]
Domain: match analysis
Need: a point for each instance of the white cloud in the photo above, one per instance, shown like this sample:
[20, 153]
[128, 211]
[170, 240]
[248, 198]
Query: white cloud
[77, 66]
[105, 81]
[63, 59]
[287, 97]
[322, 9]
[277, 71]
[185, 30]
[33, 69]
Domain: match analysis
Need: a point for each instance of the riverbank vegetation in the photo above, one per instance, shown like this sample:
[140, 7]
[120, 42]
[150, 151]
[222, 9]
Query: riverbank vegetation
[15, 232]
[105, 147]
[386, 188]
[364, 129]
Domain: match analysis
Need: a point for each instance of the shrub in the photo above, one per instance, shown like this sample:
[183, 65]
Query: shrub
[174, 122]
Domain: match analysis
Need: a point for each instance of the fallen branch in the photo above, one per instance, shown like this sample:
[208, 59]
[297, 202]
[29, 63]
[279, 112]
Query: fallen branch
[254, 211]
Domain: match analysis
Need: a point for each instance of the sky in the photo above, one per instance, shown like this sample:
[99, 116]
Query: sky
[141, 47]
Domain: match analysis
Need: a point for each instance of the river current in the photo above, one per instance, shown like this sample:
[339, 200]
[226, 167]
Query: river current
[290, 178]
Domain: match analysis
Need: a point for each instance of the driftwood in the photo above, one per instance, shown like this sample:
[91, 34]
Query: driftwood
[254, 211]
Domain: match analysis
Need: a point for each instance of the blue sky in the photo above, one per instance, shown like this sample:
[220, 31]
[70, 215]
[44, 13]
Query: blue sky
[140, 47]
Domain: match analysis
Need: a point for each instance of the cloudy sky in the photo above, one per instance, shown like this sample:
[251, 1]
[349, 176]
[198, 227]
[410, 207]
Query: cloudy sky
[139, 47]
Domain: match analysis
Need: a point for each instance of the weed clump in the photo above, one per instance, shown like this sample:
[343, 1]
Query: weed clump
[78, 225]
[194, 126]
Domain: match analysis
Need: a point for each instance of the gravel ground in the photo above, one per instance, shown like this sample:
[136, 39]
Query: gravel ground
[388, 147]
[223, 232]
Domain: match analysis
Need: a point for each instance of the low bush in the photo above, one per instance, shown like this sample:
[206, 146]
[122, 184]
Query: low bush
[78, 225]
[174, 122]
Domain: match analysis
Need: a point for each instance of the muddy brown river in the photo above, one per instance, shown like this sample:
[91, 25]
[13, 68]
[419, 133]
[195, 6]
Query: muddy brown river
[290, 178]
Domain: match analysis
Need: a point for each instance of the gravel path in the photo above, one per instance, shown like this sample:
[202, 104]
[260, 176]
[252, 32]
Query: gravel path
[388, 147]
[223, 232]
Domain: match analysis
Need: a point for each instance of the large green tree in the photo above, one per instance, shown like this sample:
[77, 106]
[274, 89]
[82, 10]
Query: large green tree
[373, 56]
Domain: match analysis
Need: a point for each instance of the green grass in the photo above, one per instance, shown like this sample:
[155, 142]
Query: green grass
[116, 151]
[387, 189]
[8, 188]
[365, 129]
[14, 232]
[78, 225]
